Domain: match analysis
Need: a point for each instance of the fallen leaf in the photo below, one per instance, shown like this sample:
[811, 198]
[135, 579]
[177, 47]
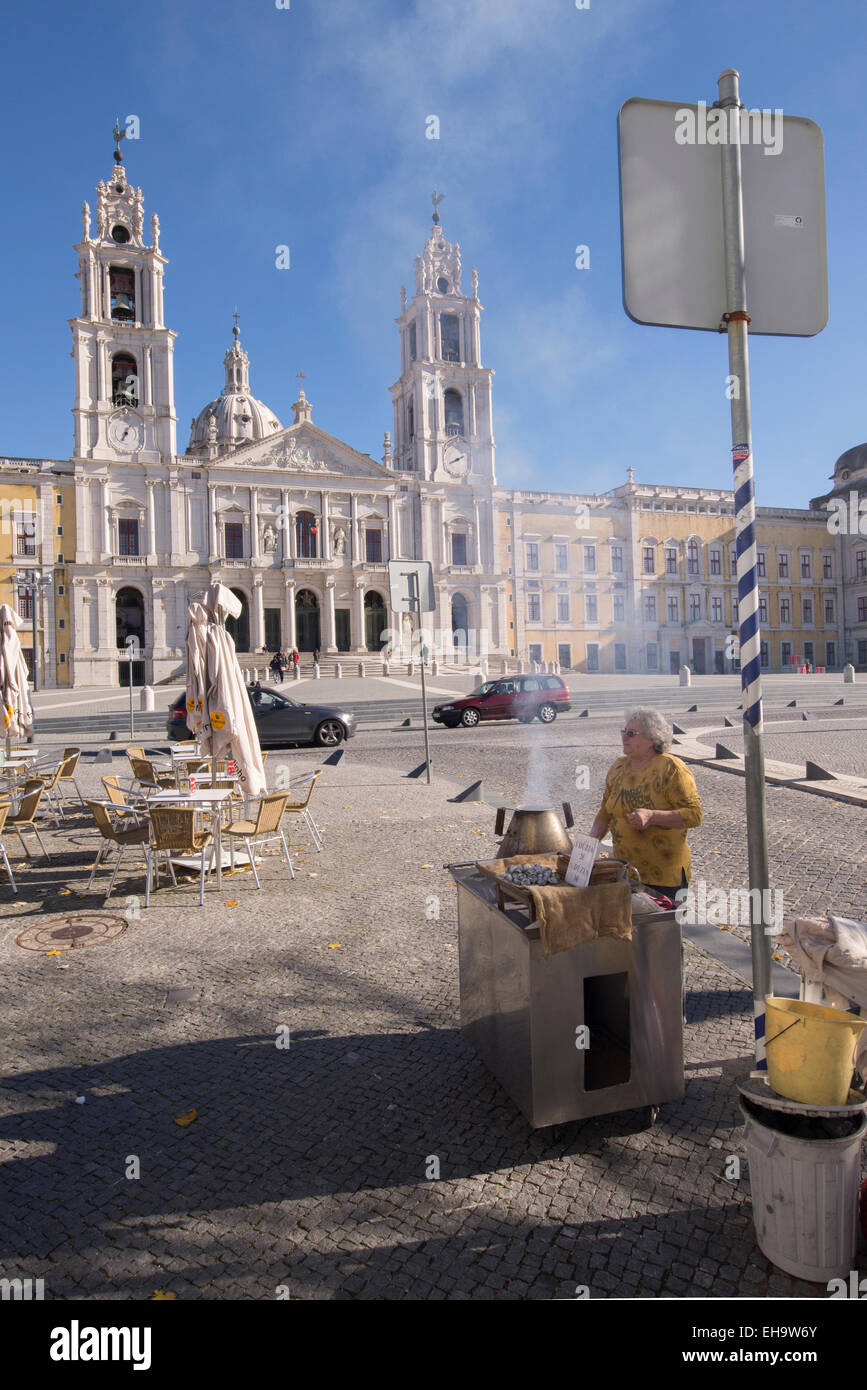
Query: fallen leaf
[335, 946]
[477, 832]
[349, 807]
[52, 953]
[233, 903]
[187, 1118]
[62, 892]
[427, 866]
[311, 874]
[159, 1295]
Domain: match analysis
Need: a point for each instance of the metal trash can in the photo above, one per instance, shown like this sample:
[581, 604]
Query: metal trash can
[805, 1176]
[522, 1013]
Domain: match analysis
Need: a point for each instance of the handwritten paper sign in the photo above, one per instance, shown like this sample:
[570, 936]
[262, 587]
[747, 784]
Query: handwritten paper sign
[581, 860]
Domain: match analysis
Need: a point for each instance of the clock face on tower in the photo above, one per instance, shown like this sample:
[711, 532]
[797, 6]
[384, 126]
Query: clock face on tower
[455, 461]
[126, 431]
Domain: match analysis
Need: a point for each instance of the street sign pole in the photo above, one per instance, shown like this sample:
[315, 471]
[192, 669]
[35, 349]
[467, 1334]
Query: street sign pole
[132, 649]
[416, 599]
[737, 320]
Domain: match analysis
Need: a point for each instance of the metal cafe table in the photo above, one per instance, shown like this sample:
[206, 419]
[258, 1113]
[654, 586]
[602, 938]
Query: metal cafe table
[208, 800]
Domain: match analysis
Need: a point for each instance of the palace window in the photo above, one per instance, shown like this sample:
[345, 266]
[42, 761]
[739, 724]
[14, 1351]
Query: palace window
[763, 610]
[592, 656]
[716, 562]
[590, 559]
[734, 561]
[121, 283]
[807, 606]
[761, 565]
[563, 608]
[412, 342]
[619, 609]
[127, 537]
[650, 608]
[862, 610]
[561, 559]
[806, 566]
[830, 653]
[827, 567]
[829, 610]
[234, 534]
[532, 555]
[410, 421]
[459, 548]
[782, 566]
[716, 610]
[692, 557]
[25, 604]
[695, 608]
[306, 536]
[373, 546]
[673, 609]
[735, 611]
[617, 559]
[861, 564]
[450, 337]
[785, 611]
[671, 559]
[25, 537]
[764, 653]
[649, 559]
[591, 608]
[534, 608]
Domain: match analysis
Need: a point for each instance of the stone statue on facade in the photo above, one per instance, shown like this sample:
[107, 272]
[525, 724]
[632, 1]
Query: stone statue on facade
[340, 541]
[269, 540]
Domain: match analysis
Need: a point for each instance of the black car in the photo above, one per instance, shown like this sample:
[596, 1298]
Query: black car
[280, 720]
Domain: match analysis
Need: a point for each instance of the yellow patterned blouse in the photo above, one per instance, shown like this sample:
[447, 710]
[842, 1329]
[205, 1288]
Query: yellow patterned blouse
[659, 852]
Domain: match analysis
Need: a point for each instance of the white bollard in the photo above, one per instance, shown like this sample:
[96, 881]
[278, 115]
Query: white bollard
[338, 671]
[685, 675]
[361, 668]
[848, 674]
[385, 668]
[316, 670]
[297, 675]
[146, 697]
[434, 667]
[504, 668]
[409, 668]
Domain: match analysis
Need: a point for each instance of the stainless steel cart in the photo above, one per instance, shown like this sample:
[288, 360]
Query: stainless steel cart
[589, 1031]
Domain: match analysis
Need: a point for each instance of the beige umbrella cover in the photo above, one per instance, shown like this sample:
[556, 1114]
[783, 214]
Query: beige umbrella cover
[17, 712]
[197, 633]
[229, 728]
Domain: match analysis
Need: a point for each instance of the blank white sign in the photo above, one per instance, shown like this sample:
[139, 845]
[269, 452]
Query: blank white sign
[672, 219]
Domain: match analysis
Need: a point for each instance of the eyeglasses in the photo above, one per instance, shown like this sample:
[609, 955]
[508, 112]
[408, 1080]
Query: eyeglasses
[630, 733]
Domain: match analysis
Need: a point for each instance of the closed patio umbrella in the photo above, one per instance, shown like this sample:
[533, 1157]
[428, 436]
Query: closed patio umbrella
[17, 711]
[197, 633]
[228, 727]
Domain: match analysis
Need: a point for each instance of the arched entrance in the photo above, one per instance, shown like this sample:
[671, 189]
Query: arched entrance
[239, 628]
[459, 623]
[307, 621]
[129, 620]
[375, 620]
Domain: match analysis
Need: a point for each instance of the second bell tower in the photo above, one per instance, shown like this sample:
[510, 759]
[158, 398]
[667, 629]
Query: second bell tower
[124, 375]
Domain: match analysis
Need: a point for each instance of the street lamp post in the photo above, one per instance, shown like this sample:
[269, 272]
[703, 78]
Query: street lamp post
[33, 584]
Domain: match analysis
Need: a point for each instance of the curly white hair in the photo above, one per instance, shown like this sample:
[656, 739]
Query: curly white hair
[653, 725]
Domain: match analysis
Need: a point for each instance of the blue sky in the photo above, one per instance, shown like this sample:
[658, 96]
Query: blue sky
[306, 126]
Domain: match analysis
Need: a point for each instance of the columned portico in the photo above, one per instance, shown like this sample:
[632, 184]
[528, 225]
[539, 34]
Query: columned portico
[329, 640]
[257, 635]
[358, 616]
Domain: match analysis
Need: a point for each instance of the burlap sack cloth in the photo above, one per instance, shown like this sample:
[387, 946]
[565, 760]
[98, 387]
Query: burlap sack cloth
[567, 916]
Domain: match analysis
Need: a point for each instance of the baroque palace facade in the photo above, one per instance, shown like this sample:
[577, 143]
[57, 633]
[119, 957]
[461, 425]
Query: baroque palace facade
[127, 532]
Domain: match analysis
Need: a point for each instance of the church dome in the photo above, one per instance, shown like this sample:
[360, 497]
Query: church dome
[236, 417]
[850, 465]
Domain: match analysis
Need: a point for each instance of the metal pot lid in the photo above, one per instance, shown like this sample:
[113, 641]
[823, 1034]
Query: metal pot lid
[760, 1092]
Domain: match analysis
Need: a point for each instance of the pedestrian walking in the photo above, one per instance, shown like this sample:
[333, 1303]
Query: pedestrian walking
[277, 666]
[315, 656]
[294, 659]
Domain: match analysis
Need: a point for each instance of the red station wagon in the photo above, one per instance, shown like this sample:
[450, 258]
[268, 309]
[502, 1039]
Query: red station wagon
[524, 698]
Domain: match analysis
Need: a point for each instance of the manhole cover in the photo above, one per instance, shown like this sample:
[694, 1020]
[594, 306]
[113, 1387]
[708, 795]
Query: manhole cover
[71, 929]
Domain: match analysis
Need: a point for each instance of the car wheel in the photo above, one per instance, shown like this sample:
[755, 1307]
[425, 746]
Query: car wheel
[470, 718]
[526, 718]
[547, 714]
[329, 733]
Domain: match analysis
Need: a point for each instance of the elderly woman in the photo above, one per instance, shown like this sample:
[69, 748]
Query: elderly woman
[649, 803]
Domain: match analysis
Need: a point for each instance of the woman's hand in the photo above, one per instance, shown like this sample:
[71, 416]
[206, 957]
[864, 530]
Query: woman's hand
[641, 818]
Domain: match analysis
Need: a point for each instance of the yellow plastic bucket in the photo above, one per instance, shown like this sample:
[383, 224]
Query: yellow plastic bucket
[810, 1050]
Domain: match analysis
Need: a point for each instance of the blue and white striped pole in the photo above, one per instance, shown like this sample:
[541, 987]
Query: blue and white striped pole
[737, 320]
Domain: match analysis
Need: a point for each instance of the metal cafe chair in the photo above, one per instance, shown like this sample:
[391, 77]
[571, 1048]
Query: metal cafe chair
[173, 832]
[5, 808]
[302, 808]
[122, 836]
[49, 775]
[67, 773]
[149, 777]
[265, 827]
[25, 817]
[127, 801]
